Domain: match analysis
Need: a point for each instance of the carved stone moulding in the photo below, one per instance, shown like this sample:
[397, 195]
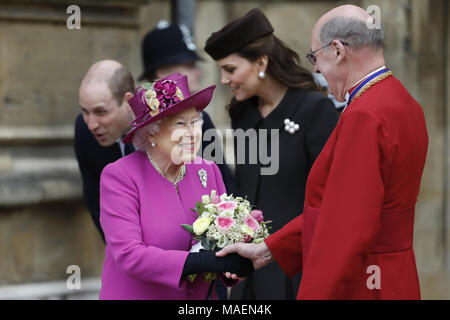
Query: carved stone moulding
[122, 13]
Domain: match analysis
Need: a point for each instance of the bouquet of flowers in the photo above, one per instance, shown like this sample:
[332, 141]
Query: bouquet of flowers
[223, 220]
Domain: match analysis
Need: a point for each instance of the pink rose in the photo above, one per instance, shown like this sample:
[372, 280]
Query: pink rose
[215, 200]
[247, 238]
[224, 224]
[251, 223]
[257, 214]
[226, 206]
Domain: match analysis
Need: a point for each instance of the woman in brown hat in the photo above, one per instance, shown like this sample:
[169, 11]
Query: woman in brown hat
[271, 91]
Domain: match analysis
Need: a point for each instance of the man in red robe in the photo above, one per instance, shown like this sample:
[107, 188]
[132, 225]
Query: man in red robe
[354, 238]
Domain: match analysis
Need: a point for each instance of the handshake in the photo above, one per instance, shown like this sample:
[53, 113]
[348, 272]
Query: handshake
[221, 218]
[235, 261]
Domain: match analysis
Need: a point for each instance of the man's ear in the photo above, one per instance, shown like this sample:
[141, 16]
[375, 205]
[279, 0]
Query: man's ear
[339, 50]
[128, 96]
[127, 107]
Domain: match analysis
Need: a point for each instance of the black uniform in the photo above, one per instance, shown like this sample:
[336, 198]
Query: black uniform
[281, 195]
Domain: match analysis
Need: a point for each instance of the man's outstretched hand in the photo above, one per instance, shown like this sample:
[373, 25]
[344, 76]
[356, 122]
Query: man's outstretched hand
[259, 254]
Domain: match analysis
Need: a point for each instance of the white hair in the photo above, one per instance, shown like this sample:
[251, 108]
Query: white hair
[140, 138]
[352, 30]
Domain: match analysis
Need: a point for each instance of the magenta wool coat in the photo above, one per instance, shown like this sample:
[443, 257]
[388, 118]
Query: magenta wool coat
[141, 215]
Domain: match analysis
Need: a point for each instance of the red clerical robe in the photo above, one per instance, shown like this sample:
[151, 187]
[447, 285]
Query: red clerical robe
[354, 238]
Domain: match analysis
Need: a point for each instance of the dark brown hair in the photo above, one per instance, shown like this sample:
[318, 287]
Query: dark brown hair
[121, 82]
[284, 65]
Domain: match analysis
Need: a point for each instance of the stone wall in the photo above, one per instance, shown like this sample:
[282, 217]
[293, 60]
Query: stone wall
[44, 226]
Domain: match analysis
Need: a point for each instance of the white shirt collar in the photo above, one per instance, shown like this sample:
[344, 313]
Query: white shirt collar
[347, 95]
[121, 145]
[366, 76]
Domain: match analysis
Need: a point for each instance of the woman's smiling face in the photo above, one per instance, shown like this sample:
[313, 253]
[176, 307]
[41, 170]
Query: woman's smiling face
[240, 74]
[179, 136]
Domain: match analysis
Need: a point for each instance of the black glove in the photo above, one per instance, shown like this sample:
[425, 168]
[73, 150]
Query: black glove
[206, 261]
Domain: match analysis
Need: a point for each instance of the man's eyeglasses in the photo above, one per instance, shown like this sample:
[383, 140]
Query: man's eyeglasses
[312, 58]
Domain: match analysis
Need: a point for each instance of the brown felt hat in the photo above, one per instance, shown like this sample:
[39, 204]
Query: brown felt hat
[237, 34]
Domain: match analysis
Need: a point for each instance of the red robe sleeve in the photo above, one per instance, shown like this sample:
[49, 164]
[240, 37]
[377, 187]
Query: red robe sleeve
[286, 246]
[349, 217]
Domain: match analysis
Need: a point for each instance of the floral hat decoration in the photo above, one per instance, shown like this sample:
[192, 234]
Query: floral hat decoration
[162, 98]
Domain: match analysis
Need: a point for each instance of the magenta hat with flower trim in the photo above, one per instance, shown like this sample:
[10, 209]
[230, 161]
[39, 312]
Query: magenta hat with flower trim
[162, 98]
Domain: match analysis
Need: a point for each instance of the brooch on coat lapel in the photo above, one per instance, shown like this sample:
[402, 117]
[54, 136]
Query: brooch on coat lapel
[203, 177]
[291, 126]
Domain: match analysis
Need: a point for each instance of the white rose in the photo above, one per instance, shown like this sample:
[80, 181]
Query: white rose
[211, 208]
[201, 225]
[206, 199]
[224, 197]
[246, 230]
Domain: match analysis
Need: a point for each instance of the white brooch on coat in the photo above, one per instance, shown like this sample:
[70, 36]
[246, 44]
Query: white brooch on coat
[291, 126]
[203, 177]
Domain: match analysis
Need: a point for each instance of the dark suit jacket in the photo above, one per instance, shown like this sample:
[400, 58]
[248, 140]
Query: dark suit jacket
[280, 196]
[92, 158]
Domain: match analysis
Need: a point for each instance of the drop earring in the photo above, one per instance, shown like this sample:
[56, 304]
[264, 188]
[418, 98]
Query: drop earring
[153, 144]
[261, 75]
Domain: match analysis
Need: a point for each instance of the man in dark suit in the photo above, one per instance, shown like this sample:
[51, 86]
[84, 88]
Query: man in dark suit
[105, 118]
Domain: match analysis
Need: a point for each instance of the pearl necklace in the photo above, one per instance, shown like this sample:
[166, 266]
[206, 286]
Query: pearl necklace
[180, 175]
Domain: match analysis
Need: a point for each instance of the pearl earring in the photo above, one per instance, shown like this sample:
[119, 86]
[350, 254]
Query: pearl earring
[261, 75]
[153, 144]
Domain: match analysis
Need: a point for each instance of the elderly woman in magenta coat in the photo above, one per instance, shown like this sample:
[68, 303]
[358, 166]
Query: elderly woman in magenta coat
[147, 195]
